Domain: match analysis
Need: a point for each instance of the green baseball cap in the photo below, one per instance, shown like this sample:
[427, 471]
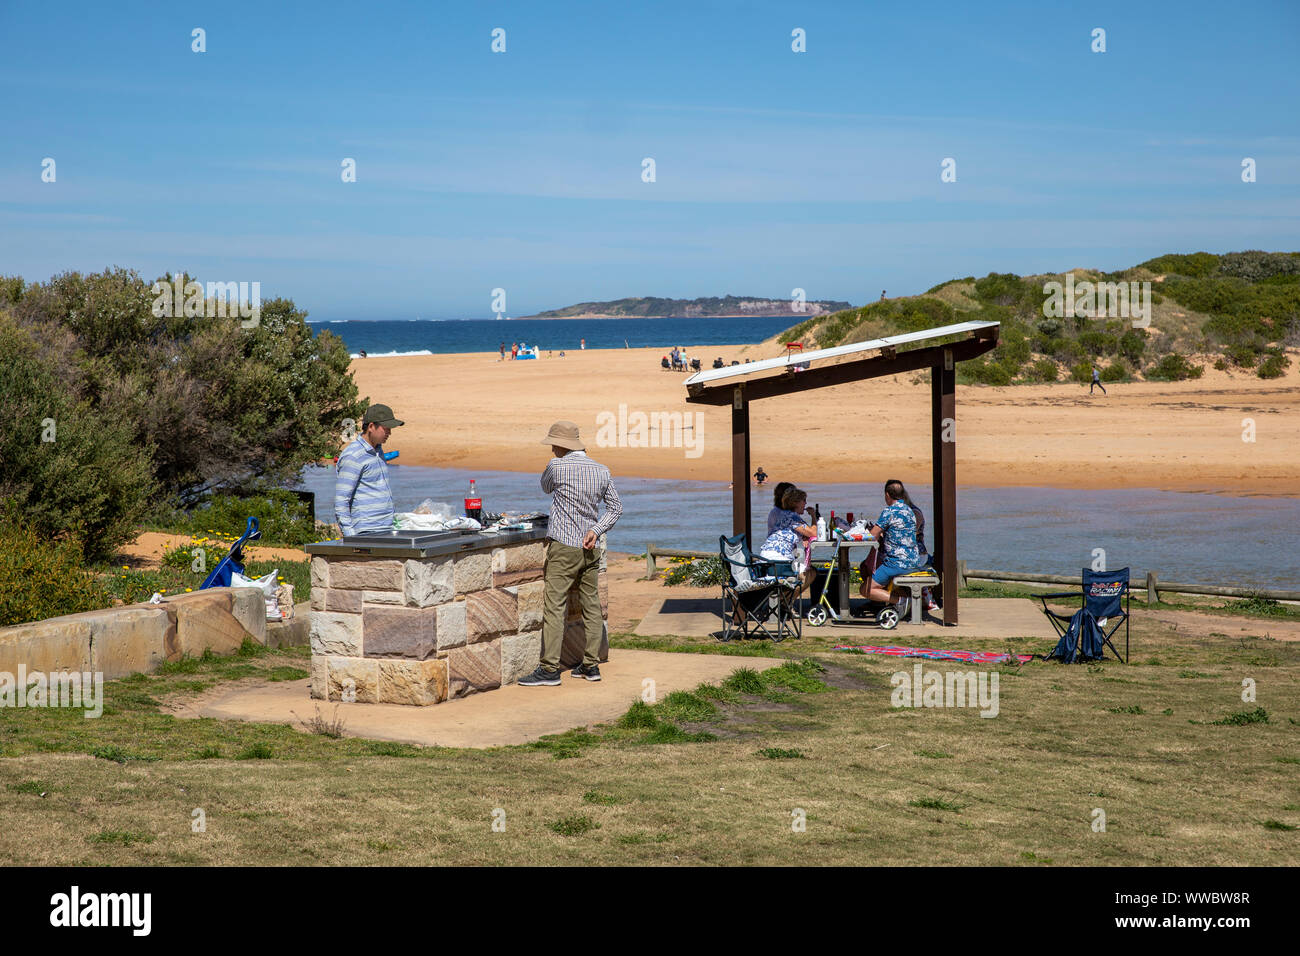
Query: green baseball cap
[380, 415]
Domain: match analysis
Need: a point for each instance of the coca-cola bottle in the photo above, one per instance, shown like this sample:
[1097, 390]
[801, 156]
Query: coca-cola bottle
[473, 503]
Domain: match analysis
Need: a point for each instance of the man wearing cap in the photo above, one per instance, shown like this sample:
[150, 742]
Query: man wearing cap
[363, 500]
[577, 485]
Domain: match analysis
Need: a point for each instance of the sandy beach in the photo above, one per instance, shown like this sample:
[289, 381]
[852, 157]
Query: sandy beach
[474, 411]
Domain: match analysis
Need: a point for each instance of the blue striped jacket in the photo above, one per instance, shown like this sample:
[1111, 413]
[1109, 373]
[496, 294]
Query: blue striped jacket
[363, 500]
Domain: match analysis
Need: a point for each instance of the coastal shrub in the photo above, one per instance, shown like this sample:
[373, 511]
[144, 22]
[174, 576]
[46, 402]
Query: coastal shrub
[1081, 372]
[1013, 348]
[1243, 356]
[1255, 264]
[66, 465]
[282, 518]
[696, 572]
[1115, 372]
[42, 578]
[981, 372]
[1099, 343]
[1195, 265]
[1044, 370]
[1131, 345]
[1064, 350]
[1274, 366]
[214, 404]
[1173, 368]
[1000, 289]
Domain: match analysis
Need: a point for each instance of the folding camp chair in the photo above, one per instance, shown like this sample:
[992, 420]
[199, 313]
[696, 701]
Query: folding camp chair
[757, 591]
[1106, 596]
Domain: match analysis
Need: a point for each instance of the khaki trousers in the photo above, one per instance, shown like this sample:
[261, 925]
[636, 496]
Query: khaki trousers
[565, 566]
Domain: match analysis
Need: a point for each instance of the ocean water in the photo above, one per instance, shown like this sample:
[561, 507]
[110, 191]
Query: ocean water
[1186, 538]
[423, 337]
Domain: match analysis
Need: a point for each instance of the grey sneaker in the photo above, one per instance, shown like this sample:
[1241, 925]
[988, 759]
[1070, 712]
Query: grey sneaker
[587, 671]
[541, 678]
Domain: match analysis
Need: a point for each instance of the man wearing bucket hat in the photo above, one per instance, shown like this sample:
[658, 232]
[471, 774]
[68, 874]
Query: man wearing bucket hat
[577, 485]
[363, 500]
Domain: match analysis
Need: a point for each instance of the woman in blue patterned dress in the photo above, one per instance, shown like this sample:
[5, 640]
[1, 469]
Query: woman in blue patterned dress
[789, 532]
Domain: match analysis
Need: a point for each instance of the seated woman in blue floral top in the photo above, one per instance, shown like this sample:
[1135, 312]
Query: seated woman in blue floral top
[789, 531]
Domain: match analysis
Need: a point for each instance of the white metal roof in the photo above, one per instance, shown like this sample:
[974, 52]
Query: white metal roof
[798, 358]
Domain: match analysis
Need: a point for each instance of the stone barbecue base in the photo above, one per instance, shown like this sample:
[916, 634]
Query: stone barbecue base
[423, 630]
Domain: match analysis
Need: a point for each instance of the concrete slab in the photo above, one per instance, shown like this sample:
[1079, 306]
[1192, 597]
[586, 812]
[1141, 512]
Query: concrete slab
[980, 617]
[511, 715]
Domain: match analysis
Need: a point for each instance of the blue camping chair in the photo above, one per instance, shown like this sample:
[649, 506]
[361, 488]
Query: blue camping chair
[232, 562]
[1105, 597]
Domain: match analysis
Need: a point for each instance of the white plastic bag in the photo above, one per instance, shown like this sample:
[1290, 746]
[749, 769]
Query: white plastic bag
[266, 582]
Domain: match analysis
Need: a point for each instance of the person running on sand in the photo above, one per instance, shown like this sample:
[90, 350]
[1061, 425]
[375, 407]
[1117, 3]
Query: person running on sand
[1096, 381]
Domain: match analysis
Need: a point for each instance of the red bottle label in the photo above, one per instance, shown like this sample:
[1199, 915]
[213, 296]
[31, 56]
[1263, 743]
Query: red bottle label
[471, 503]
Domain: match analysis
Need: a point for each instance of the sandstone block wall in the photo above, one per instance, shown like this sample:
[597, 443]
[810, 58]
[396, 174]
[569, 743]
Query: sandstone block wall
[119, 641]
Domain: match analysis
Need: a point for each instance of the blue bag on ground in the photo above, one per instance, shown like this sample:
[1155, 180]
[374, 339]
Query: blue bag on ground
[1082, 640]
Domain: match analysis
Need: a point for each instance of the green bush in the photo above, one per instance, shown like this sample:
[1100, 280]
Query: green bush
[1273, 366]
[696, 572]
[1098, 343]
[40, 578]
[215, 405]
[282, 518]
[1196, 265]
[978, 371]
[1115, 372]
[68, 467]
[1013, 349]
[1005, 289]
[1131, 345]
[1243, 356]
[1254, 264]
[1081, 372]
[1044, 370]
[1173, 368]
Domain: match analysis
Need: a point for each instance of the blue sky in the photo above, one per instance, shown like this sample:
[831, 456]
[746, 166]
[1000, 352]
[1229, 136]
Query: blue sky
[522, 170]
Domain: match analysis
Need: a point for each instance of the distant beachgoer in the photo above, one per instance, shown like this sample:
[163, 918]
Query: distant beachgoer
[514, 351]
[584, 343]
[363, 353]
[1096, 381]
[760, 476]
[503, 352]
[882, 295]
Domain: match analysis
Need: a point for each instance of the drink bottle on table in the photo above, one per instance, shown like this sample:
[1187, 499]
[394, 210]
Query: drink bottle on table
[473, 503]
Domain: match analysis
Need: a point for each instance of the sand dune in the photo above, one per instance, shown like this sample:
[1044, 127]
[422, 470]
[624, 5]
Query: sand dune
[471, 410]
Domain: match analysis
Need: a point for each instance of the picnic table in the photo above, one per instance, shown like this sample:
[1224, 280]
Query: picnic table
[843, 568]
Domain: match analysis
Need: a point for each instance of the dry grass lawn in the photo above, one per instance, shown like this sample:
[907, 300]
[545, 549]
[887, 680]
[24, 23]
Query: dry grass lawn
[878, 785]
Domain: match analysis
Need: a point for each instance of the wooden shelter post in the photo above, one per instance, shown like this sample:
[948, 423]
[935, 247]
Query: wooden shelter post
[943, 438]
[740, 504]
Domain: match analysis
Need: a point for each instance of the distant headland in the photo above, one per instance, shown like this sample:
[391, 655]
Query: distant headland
[653, 307]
